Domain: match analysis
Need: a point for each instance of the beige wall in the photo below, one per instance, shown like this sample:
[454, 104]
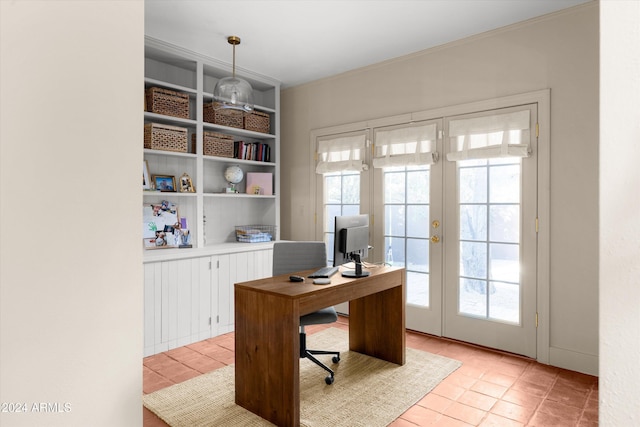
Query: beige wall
[71, 263]
[559, 52]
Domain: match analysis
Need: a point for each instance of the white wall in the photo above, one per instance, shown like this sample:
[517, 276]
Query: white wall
[71, 262]
[619, 213]
[559, 52]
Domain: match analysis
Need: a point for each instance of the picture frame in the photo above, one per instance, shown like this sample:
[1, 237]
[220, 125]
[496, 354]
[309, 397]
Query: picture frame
[146, 177]
[186, 184]
[164, 183]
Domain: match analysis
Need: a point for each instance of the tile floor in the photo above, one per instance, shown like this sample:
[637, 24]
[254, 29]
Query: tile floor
[489, 389]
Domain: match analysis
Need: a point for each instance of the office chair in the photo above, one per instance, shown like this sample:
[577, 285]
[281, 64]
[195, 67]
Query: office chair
[289, 257]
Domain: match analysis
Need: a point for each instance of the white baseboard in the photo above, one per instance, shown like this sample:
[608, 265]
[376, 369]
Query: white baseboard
[573, 360]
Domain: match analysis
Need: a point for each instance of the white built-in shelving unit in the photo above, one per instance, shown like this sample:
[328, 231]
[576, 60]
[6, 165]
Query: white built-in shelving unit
[212, 214]
[189, 292]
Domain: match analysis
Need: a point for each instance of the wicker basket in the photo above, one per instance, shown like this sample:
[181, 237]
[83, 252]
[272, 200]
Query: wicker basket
[256, 121]
[215, 144]
[164, 137]
[255, 233]
[167, 102]
[223, 116]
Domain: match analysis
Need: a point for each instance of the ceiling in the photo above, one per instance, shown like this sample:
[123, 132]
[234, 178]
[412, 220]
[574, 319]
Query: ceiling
[298, 41]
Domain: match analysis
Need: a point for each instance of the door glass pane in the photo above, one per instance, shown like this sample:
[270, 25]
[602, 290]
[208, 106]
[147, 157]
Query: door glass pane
[407, 226]
[489, 219]
[505, 263]
[394, 186]
[417, 288]
[332, 188]
[417, 217]
[503, 304]
[351, 189]
[473, 297]
[473, 260]
[473, 184]
[505, 183]
[418, 186]
[395, 254]
[418, 255]
[473, 222]
[394, 220]
[505, 223]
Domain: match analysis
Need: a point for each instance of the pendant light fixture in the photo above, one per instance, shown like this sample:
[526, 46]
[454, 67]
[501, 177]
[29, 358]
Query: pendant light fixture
[233, 92]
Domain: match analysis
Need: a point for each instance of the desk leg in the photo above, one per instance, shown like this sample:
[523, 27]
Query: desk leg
[377, 325]
[267, 352]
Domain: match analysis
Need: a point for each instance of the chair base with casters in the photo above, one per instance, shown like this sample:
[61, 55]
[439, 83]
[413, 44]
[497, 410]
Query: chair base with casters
[326, 315]
[290, 257]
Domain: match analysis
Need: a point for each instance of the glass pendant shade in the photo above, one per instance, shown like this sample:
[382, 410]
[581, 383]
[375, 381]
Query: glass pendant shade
[234, 93]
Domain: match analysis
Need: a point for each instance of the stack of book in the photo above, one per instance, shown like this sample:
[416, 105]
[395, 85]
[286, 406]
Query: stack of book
[252, 151]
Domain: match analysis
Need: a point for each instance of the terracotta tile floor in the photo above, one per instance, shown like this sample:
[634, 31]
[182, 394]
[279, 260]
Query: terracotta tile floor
[489, 389]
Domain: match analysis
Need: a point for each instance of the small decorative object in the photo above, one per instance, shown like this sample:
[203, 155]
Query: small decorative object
[180, 236]
[233, 175]
[186, 185]
[164, 183]
[146, 178]
[260, 183]
[185, 239]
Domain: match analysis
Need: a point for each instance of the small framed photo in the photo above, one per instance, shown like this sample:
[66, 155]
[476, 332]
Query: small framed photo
[186, 185]
[146, 178]
[165, 183]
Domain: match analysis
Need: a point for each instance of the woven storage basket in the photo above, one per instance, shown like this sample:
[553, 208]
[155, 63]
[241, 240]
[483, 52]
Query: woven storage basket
[256, 121]
[164, 137]
[167, 102]
[223, 116]
[215, 144]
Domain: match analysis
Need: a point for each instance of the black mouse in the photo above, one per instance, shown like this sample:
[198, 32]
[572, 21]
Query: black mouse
[296, 278]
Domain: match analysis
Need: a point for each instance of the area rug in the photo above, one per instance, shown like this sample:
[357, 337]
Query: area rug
[366, 392]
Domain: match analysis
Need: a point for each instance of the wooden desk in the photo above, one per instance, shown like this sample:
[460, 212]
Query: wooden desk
[267, 340]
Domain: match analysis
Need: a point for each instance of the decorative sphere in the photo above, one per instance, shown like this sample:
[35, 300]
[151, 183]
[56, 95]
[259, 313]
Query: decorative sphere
[233, 174]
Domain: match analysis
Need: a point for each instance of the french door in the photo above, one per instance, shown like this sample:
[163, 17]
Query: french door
[412, 212]
[490, 245]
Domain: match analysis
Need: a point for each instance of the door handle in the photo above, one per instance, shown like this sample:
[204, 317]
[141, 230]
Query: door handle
[435, 239]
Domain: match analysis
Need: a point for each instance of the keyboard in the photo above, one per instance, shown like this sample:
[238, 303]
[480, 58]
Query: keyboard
[324, 272]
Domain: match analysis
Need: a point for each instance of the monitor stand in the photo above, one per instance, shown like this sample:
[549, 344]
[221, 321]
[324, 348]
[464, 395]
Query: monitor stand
[358, 271]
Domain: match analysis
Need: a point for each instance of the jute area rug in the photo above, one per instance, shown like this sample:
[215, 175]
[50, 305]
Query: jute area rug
[366, 392]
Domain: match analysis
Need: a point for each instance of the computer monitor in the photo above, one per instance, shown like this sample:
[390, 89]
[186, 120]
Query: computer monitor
[351, 243]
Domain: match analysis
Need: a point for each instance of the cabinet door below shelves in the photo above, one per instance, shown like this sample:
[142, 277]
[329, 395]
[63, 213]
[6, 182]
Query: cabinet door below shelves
[186, 309]
[152, 309]
[243, 266]
[221, 299]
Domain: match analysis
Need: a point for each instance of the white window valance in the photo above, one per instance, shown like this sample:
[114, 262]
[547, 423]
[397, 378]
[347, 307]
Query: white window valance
[341, 153]
[490, 136]
[405, 145]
